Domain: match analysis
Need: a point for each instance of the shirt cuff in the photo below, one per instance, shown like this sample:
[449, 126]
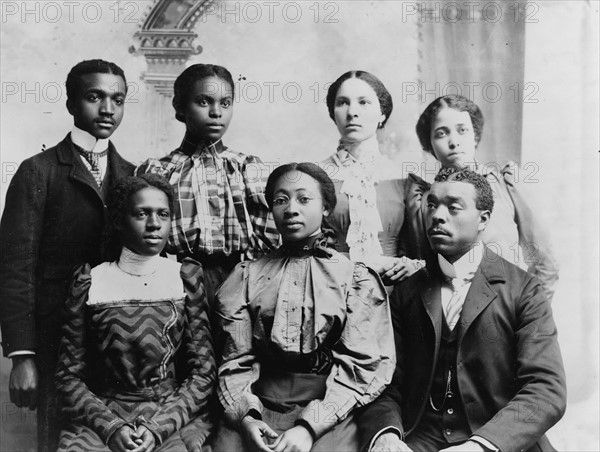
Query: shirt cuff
[385, 430]
[21, 353]
[106, 432]
[485, 443]
[319, 424]
[247, 404]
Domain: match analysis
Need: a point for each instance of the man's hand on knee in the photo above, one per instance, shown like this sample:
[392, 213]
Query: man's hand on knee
[23, 383]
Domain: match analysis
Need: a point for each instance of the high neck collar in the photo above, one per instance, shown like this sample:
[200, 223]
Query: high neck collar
[317, 244]
[87, 141]
[360, 151]
[192, 146]
[136, 264]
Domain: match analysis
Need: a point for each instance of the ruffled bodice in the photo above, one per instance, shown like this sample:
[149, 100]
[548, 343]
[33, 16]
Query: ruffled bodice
[371, 210]
[390, 204]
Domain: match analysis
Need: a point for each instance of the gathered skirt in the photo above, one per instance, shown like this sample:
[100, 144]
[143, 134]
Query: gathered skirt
[284, 396]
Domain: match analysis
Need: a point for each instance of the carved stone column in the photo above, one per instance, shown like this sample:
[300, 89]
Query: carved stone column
[166, 40]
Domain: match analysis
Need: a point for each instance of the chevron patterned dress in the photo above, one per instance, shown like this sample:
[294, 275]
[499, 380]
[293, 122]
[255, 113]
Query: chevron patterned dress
[119, 363]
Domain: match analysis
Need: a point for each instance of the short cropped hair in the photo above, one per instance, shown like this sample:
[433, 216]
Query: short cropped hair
[119, 196]
[185, 82]
[86, 67]
[385, 98]
[484, 197]
[456, 102]
[325, 184]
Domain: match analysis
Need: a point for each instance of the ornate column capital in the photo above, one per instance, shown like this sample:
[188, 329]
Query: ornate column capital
[166, 40]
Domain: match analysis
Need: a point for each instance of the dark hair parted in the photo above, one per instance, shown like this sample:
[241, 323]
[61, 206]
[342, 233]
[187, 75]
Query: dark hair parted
[385, 98]
[119, 196]
[90, 67]
[484, 197]
[325, 184]
[186, 80]
[456, 102]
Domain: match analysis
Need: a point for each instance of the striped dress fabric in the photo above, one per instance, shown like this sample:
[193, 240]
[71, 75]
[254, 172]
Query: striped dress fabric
[117, 366]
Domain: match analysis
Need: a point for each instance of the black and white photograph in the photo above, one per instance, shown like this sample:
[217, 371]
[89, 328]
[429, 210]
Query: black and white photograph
[294, 226]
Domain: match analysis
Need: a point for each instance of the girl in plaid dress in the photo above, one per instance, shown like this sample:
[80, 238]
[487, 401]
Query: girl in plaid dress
[221, 216]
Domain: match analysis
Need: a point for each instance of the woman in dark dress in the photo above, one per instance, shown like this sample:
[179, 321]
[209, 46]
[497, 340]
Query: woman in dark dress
[128, 322]
[369, 219]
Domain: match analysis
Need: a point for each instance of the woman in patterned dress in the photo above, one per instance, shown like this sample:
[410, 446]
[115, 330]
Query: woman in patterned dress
[136, 369]
[220, 215]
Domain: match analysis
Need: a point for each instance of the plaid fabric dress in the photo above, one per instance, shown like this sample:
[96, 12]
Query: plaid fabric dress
[220, 205]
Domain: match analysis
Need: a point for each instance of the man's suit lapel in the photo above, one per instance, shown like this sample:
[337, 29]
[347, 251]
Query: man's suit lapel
[67, 156]
[481, 293]
[431, 298]
[119, 167]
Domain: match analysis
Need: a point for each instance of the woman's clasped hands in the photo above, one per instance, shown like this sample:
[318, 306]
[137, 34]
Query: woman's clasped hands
[127, 439]
[264, 439]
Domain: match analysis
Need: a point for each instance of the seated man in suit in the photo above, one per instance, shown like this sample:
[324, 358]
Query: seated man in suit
[479, 367]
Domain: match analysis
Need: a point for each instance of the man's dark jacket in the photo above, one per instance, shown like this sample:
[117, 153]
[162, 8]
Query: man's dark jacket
[52, 221]
[509, 367]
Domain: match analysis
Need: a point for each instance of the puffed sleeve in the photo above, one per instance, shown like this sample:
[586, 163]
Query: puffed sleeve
[364, 356]
[78, 401]
[255, 175]
[533, 237]
[384, 414]
[194, 394]
[239, 369]
[154, 166]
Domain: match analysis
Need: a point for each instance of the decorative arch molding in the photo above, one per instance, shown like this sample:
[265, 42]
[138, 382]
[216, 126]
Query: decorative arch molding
[166, 40]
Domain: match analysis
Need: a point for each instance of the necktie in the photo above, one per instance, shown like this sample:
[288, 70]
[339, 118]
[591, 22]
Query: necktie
[455, 304]
[93, 158]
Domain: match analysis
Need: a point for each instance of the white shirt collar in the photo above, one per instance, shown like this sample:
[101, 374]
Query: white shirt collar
[465, 266]
[87, 141]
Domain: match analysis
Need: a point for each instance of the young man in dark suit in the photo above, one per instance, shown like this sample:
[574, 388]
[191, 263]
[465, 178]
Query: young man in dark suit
[53, 220]
[478, 362]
